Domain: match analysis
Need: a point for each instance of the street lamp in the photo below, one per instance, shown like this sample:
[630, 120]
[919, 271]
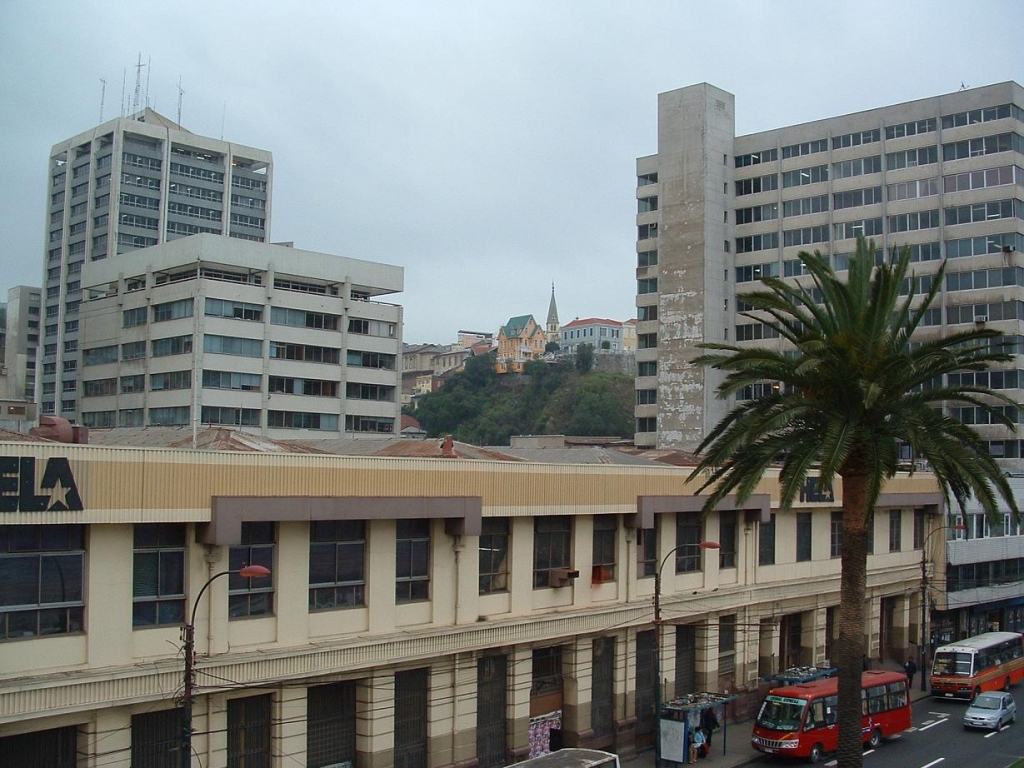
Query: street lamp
[924, 600]
[657, 640]
[189, 634]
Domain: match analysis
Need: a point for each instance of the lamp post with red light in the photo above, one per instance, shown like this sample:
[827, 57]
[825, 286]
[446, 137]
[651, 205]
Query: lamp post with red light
[188, 633]
[657, 640]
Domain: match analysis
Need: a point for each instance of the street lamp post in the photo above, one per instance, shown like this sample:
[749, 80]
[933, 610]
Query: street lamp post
[925, 644]
[657, 641]
[189, 635]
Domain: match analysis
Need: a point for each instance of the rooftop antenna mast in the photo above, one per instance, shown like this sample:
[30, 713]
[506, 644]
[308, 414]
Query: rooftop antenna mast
[103, 97]
[138, 85]
[124, 84]
[149, 71]
[181, 95]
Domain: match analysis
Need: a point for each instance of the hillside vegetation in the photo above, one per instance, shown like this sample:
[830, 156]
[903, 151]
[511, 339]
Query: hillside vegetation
[482, 407]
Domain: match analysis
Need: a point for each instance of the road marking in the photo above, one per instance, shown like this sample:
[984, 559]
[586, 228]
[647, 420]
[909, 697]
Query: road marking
[990, 735]
[868, 752]
[833, 762]
[932, 725]
[939, 714]
[933, 762]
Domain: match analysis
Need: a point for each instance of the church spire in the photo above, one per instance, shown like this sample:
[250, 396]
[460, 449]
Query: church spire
[553, 325]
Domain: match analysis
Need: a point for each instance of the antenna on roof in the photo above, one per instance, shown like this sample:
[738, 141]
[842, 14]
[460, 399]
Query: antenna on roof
[181, 95]
[138, 85]
[149, 71]
[103, 97]
[124, 83]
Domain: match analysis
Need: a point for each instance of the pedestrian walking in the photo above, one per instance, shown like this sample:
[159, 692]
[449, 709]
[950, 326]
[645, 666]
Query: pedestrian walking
[911, 669]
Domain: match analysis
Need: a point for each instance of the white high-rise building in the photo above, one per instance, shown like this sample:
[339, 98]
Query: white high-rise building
[126, 185]
[717, 211]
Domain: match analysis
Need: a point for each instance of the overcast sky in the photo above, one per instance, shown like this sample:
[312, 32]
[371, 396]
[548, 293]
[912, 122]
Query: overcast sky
[487, 147]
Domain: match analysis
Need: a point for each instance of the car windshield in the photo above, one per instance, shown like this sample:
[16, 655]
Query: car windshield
[780, 713]
[987, 702]
[952, 663]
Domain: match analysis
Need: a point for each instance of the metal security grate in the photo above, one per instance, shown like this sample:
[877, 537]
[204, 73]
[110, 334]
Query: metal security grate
[249, 732]
[411, 695]
[491, 712]
[331, 724]
[156, 739]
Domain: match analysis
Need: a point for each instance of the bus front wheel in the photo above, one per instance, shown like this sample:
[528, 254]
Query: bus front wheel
[876, 739]
[816, 753]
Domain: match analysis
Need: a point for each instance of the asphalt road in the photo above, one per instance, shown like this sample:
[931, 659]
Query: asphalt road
[939, 740]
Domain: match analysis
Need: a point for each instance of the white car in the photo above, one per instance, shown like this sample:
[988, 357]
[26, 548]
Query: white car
[990, 710]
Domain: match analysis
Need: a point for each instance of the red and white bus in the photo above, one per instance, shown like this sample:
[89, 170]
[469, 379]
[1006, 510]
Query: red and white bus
[802, 720]
[988, 662]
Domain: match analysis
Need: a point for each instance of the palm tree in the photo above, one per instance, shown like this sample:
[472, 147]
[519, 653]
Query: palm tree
[852, 389]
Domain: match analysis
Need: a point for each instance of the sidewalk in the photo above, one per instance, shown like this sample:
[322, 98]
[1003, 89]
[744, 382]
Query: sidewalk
[731, 744]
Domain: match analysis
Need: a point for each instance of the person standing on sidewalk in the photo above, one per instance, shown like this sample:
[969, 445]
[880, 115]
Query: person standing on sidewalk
[911, 669]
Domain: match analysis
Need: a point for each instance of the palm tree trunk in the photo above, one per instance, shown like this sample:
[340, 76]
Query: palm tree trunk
[850, 646]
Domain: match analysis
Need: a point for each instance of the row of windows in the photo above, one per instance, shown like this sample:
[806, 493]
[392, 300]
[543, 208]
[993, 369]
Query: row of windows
[181, 416]
[234, 345]
[901, 130]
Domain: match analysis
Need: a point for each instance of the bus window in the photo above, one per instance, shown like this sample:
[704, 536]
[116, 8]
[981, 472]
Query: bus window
[897, 695]
[780, 713]
[876, 699]
[831, 709]
[952, 663]
[815, 715]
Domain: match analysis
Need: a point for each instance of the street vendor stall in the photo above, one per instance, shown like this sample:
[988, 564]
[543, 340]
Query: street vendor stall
[681, 717]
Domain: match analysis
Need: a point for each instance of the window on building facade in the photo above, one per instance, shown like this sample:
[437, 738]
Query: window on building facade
[156, 738]
[835, 548]
[249, 732]
[919, 529]
[766, 542]
[552, 547]
[337, 571]
[727, 539]
[41, 580]
[494, 541]
[331, 724]
[726, 644]
[251, 597]
[412, 560]
[689, 535]
[606, 529]
[803, 536]
[895, 529]
[158, 574]
[646, 552]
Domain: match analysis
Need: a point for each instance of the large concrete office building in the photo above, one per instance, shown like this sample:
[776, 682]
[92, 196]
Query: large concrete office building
[716, 211]
[219, 331]
[126, 185]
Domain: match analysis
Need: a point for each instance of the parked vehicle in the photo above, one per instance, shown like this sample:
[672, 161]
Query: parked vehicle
[802, 720]
[989, 662]
[571, 758]
[990, 710]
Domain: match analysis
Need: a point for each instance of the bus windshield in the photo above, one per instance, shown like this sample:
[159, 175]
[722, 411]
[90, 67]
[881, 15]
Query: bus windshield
[780, 713]
[952, 663]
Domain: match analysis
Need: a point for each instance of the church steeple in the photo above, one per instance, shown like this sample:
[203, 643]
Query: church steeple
[553, 325]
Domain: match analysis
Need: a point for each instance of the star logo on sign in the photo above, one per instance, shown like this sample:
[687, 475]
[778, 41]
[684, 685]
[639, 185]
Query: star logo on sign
[58, 497]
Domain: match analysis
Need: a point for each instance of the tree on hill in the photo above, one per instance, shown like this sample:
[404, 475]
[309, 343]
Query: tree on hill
[584, 357]
[852, 390]
[480, 406]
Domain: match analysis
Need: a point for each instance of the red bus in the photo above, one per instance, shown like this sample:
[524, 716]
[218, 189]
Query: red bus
[988, 662]
[802, 720]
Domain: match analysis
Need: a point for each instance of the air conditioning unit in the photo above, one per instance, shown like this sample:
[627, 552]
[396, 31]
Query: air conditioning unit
[560, 577]
[981, 319]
